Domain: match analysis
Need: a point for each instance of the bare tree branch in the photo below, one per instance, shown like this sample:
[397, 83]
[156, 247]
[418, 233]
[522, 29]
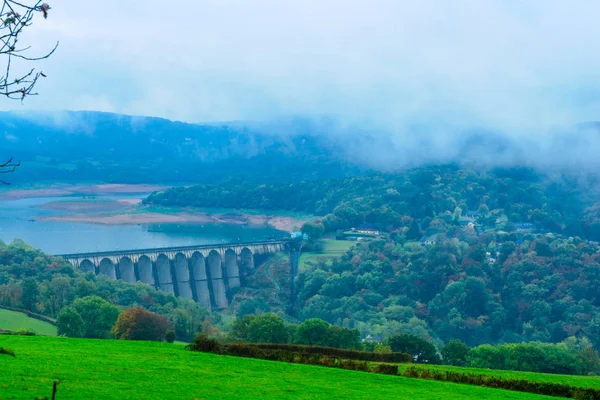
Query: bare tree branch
[15, 17]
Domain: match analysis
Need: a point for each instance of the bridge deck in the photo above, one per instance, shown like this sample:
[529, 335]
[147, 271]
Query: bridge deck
[170, 249]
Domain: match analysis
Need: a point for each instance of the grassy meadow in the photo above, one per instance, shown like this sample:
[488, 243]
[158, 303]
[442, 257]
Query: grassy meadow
[331, 250]
[106, 369]
[13, 321]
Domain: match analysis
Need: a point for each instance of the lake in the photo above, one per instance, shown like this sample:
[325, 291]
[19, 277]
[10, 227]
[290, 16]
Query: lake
[18, 220]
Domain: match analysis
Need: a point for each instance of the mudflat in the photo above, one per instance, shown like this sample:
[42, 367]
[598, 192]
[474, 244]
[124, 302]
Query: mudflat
[286, 224]
[59, 189]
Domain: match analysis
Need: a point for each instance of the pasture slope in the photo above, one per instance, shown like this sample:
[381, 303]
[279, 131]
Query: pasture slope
[109, 369]
[13, 321]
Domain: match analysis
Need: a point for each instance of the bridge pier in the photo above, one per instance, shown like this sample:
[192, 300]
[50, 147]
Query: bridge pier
[182, 275]
[107, 268]
[87, 266]
[246, 265]
[126, 271]
[146, 271]
[201, 280]
[163, 274]
[217, 280]
[232, 270]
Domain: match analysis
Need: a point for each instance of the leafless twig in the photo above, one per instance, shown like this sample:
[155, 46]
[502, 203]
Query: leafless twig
[15, 17]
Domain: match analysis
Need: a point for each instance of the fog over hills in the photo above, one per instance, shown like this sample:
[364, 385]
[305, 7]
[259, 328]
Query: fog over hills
[88, 145]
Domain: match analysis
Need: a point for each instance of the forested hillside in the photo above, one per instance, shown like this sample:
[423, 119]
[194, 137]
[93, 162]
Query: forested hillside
[487, 290]
[36, 282]
[94, 146]
[480, 255]
[419, 201]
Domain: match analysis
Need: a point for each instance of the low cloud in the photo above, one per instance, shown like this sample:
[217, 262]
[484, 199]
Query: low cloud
[418, 78]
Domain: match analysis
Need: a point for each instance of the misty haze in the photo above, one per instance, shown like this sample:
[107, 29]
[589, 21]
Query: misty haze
[299, 200]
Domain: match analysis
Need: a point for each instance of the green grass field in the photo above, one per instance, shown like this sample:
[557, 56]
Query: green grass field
[96, 369]
[13, 321]
[578, 381]
[331, 250]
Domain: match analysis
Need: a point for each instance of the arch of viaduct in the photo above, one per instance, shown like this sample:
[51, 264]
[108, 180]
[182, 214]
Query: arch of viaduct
[206, 273]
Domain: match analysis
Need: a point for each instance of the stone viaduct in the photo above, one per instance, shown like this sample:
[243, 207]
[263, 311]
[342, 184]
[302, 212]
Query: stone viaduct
[206, 273]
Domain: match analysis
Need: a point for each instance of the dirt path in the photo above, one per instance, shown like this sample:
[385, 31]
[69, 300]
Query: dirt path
[268, 274]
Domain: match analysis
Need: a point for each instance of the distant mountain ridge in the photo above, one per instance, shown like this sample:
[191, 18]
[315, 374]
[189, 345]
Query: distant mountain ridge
[86, 145]
[118, 148]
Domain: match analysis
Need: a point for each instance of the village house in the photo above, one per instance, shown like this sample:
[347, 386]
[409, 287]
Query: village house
[367, 230]
[431, 240]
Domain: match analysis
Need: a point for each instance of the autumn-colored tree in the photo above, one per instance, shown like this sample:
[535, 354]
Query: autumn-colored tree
[139, 324]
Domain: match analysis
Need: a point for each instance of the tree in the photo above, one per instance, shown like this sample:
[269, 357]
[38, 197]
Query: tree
[313, 332]
[268, 328]
[414, 232]
[30, 293]
[98, 316]
[343, 338]
[455, 353]
[70, 323]
[421, 350]
[314, 230]
[15, 17]
[252, 306]
[170, 336]
[240, 328]
[139, 324]
[7, 168]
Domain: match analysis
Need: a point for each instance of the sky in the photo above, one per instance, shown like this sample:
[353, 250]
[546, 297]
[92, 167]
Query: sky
[513, 66]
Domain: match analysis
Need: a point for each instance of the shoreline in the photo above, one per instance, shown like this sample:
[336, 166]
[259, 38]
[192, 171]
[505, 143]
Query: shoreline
[131, 212]
[285, 224]
[61, 190]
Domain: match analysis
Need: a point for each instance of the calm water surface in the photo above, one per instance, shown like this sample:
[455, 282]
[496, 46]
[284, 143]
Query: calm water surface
[16, 221]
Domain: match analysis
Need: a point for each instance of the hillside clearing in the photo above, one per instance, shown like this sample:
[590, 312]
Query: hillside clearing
[331, 250]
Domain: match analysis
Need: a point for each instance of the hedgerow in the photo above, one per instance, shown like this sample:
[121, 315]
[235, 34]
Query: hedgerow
[341, 353]
[519, 385]
[314, 355]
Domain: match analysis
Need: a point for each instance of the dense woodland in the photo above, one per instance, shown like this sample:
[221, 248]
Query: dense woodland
[36, 282]
[494, 256]
[538, 288]
[570, 356]
[423, 200]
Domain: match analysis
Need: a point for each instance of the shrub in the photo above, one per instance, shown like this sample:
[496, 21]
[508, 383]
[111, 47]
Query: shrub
[205, 344]
[354, 365]
[26, 332]
[139, 324]
[386, 369]
[244, 350]
[340, 353]
[170, 336]
[98, 315]
[7, 352]
[455, 353]
[70, 323]
[530, 357]
[520, 385]
[421, 350]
